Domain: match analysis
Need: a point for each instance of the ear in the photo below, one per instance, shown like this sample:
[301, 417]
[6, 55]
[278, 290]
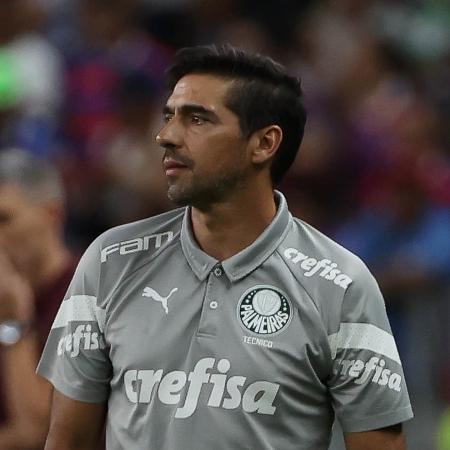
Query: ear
[266, 142]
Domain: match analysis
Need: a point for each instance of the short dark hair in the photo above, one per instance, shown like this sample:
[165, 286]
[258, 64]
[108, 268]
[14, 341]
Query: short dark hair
[263, 94]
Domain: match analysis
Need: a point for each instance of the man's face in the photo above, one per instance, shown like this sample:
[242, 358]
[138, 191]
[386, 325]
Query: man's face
[206, 157]
[24, 227]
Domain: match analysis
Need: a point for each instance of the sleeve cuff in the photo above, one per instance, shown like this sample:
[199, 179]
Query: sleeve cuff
[378, 421]
[75, 393]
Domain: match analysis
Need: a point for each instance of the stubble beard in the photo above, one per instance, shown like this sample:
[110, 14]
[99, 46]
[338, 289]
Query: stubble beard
[203, 192]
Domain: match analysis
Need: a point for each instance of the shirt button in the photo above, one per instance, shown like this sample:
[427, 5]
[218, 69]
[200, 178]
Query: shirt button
[218, 271]
[213, 305]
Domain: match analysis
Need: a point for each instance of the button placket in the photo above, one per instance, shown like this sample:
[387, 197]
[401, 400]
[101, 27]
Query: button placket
[209, 318]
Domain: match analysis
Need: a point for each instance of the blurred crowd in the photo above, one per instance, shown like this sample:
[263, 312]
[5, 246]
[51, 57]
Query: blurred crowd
[82, 83]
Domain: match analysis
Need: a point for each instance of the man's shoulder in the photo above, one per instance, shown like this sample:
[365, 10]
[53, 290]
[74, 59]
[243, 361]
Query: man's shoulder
[319, 263]
[144, 235]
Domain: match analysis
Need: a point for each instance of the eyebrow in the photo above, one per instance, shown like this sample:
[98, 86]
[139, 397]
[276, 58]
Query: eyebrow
[192, 108]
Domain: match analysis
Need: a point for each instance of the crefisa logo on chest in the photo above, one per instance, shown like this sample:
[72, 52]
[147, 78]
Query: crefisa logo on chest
[264, 310]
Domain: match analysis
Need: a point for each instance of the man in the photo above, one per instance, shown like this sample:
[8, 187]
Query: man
[227, 324]
[35, 270]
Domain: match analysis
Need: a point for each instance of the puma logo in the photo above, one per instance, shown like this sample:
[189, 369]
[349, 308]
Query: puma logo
[149, 292]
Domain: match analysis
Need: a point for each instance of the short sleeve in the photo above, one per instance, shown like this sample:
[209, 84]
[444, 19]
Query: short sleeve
[367, 386]
[75, 358]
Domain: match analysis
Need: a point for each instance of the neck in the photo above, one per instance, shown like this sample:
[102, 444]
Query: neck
[228, 227]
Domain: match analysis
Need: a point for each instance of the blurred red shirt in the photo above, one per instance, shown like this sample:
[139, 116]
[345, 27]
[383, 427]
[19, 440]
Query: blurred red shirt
[47, 304]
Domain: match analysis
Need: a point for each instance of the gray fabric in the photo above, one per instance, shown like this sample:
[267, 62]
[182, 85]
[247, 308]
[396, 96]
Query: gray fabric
[256, 352]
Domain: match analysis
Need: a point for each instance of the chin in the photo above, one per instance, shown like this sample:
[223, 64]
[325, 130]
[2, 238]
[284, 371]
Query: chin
[202, 194]
[178, 197]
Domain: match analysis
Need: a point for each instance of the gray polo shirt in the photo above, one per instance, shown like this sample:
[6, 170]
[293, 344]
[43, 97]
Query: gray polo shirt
[256, 352]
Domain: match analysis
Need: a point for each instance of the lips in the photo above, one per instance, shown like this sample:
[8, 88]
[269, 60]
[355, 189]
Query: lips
[172, 167]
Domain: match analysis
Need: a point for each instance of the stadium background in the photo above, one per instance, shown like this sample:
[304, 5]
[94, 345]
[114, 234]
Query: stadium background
[81, 84]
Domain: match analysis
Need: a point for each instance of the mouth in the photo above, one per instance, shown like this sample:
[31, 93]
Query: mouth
[172, 167]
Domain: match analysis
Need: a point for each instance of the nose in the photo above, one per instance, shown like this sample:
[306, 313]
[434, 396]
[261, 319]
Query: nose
[169, 136]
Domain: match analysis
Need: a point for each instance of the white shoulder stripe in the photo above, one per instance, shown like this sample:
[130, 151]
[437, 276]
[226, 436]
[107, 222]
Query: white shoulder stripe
[80, 308]
[364, 336]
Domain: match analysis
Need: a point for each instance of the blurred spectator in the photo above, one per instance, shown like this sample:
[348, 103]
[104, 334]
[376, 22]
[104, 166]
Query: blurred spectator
[402, 235]
[33, 69]
[104, 109]
[133, 184]
[111, 46]
[35, 270]
[420, 29]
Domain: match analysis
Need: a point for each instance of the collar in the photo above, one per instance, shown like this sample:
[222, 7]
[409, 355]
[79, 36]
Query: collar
[247, 260]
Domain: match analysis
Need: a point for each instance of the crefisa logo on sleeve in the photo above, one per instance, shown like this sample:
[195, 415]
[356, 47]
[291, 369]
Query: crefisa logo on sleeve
[264, 310]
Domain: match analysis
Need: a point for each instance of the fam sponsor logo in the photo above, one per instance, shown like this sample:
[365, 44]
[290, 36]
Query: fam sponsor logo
[83, 338]
[375, 369]
[225, 392]
[136, 245]
[323, 268]
[264, 310]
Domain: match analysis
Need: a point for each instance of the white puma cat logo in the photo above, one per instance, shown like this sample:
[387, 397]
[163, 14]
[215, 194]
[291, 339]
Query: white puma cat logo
[149, 292]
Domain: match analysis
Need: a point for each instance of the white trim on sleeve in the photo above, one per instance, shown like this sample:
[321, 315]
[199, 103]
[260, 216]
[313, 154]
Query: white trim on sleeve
[364, 336]
[80, 308]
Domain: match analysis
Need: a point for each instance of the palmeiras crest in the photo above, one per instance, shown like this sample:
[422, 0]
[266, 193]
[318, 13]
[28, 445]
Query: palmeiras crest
[264, 310]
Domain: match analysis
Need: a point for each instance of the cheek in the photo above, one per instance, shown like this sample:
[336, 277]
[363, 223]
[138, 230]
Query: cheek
[16, 245]
[23, 235]
[216, 152]
[12, 233]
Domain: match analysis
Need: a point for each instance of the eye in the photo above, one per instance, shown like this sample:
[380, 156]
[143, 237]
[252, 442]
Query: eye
[197, 120]
[167, 117]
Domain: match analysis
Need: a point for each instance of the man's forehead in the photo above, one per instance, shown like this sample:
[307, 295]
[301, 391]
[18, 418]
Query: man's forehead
[204, 89]
[11, 194]
[14, 197]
